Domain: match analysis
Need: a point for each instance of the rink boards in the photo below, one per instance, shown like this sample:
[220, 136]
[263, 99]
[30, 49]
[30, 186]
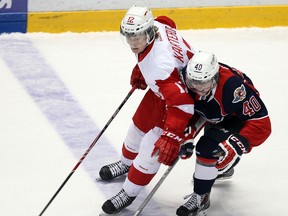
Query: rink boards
[16, 18]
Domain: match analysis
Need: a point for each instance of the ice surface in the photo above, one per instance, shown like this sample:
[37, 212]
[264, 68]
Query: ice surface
[59, 90]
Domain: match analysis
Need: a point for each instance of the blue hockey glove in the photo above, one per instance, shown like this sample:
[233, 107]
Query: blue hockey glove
[186, 150]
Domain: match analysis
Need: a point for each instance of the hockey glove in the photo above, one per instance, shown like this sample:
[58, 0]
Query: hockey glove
[186, 150]
[167, 148]
[229, 152]
[137, 78]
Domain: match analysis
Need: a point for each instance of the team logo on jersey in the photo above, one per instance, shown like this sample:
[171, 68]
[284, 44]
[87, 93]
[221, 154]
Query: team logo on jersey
[239, 94]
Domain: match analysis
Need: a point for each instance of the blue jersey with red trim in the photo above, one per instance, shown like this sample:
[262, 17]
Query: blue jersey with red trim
[235, 95]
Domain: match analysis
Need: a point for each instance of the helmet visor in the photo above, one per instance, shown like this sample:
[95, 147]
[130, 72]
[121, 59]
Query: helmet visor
[192, 82]
[201, 87]
[136, 42]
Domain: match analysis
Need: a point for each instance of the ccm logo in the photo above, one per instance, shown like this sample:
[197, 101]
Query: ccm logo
[171, 135]
[6, 4]
[238, 142]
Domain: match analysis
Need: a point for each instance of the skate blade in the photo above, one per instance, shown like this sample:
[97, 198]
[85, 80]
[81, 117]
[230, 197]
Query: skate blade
[105, 214]
[224, 178]
[201, 213]
[98, 178]
[102, 214]
[115, 180]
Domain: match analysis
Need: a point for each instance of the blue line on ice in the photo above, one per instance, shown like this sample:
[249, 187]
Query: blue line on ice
[63, 112]
[55, 101]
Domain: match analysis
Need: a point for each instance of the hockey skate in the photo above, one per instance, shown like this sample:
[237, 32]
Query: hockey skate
[117, 203]
[226, 175]
[196, 205]
[112, 171]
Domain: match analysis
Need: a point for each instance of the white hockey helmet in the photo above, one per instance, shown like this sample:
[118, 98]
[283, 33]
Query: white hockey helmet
[137, 21]
[201, 68]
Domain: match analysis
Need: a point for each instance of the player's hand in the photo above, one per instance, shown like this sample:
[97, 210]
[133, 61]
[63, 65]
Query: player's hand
[229, 153]
[187, 147]
[167, 148]
[137, 78]
[186, 150]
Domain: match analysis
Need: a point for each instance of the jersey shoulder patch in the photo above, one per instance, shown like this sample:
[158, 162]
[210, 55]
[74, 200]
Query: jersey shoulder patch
[239, 94]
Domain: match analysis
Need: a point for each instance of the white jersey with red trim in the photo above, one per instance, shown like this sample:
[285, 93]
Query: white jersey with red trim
[160, 64]
[167, 53]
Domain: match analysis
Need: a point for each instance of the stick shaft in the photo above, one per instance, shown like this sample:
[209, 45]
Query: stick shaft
[153, 191]
[89, 148]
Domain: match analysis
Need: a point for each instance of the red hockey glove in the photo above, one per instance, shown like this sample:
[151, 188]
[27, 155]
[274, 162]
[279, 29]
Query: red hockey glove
[137, 78]
[229, 153]
[187, 146]
[167, 146]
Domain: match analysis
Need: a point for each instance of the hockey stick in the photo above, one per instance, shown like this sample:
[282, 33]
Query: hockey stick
[198, 123]
[153, 191]
[90, 148]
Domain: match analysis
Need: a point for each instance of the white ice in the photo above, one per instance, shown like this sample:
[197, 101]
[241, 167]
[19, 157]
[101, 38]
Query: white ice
[59, 90]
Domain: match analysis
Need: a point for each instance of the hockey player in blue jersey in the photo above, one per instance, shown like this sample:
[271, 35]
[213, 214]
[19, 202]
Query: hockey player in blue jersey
[237, 122]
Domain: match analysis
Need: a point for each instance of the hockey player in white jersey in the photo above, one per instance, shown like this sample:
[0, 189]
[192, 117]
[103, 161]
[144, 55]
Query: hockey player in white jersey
[157, 131]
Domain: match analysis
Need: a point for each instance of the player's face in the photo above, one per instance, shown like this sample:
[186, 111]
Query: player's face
[137, 43]
[203, 89]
